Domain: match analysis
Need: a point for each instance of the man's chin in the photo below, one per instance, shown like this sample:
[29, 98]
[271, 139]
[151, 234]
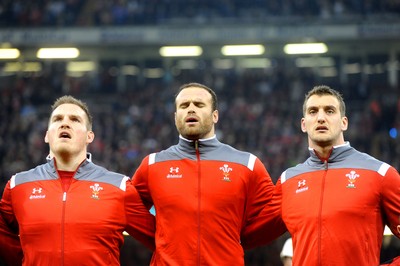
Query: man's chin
[63, 149]
[191, 136]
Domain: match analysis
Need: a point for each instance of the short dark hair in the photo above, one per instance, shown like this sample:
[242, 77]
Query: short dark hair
[214, 100]
[68, 99]
[325, 90]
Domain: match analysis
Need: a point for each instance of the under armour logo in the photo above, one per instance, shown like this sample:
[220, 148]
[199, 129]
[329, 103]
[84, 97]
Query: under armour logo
[301, 183]
[173, 170]
[38, 190]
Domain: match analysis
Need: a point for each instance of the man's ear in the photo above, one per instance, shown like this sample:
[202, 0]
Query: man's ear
[303, 125]
[46, 137]
[90, 137]
[215, 115]
[345, 123]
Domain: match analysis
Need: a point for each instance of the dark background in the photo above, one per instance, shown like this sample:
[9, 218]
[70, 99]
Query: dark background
[130, 92]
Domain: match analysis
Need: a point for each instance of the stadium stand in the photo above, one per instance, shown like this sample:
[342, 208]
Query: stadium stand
[259, 107]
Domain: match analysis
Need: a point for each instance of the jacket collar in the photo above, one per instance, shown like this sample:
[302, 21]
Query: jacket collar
[204, 145]
[337, 154]
[52, 165]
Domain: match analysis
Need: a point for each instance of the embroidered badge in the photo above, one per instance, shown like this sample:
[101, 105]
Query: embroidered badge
[174, 173]
[96, 188]
[352, 179]
[225, 170]
[37, 193]
[301, 186]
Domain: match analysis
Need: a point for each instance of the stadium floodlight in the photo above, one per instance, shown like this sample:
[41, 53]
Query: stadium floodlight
[175, 51]
[14, 67]
[305, 48]
[236, 50]
[9, 53]
[81, 66]
[57, 53]
[315, 62]
[255, 63]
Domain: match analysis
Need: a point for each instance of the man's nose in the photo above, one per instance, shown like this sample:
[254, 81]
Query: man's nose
[191, 108]
[64, 124]
[321, 116]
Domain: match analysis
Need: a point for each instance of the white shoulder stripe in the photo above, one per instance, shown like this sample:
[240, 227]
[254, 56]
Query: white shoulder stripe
[12, 182]
[152, 158]
[383, 169]
[283, 177]
[122, 186]
[251, 162]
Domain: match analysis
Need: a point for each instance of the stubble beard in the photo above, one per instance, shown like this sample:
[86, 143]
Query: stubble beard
[195, 132]
[191, 133]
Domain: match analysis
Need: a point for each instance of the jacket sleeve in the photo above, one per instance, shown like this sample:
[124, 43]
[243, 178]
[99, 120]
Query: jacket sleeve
[10, 247]
[140, 222]
[263, 223]
[391, 200]
[140, 181]
[268, 224]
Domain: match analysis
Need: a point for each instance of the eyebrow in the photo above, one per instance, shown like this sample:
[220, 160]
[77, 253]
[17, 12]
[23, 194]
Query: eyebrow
[70, 116]
[324, 107]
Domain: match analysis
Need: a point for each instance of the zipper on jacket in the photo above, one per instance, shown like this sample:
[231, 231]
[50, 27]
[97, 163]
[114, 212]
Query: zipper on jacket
[320, 211]
[196, 145]
[64, 199]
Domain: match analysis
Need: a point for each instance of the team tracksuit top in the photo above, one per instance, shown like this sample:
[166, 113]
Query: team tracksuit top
[82, 226]
[336, 209]
[203, 192]
[10, 247]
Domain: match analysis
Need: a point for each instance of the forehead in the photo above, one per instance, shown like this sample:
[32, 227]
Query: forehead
[68, 109]
[193, 93]
[322, 100]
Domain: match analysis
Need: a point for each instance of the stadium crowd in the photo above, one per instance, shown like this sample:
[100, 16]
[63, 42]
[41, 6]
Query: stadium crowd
[61, 13]
[259, 111]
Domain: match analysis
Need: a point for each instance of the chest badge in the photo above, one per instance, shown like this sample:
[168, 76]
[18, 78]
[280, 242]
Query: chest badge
[96, 188]
[225, 170]
[352, 176]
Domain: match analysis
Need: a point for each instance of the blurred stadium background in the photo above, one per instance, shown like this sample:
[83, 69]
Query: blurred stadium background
[119, 68]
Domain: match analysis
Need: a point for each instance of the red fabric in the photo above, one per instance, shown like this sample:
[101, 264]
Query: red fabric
[66, 178]
[82, 226]
[201, 209]
[332, 222]
[10, 247]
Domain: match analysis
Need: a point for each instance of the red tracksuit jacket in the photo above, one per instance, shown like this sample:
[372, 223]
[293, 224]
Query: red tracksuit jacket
[203, 192]
[336, 210]
[82, 226]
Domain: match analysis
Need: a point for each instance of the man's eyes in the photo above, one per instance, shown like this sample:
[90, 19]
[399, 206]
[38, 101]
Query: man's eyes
[74, 119]
[328, 111]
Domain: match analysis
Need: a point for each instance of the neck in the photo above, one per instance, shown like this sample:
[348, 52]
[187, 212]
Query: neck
[69, 163]
[323, 152]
